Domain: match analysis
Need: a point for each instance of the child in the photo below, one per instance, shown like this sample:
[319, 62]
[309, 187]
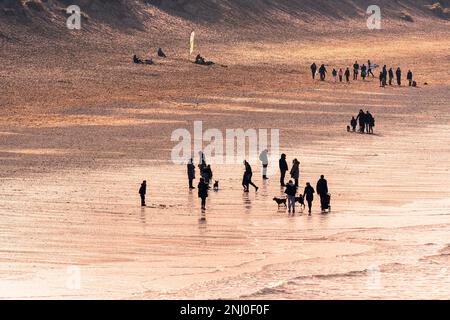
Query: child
[353, 124]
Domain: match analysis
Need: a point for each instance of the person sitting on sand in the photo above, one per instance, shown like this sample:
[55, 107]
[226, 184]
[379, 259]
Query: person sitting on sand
[161, 54]
[137, 60]
[353, 123]
[149, 61]
[201, 61]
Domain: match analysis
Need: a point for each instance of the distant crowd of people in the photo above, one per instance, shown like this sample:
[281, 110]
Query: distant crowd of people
[385, 76]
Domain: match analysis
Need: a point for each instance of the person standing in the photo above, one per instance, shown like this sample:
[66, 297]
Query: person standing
[409, 77]
[322, 72]
[334, 73]
[308, 194]
[363, 72]
[353, 124]
[191, 173]
[384, 76]
[355, 70]
[370, 122]
[361, 118]
[265, 163]
[143, 192]
[398, 73]
[391, 76]
[283, 168]
[347, 75]
[314, 70]
[290, 191]
[341, 74]
[381, 79]
[322, 191]
[295, 171]
[203, 188]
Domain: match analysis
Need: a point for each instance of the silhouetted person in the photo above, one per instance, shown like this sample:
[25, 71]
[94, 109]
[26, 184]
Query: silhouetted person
[391, 76]
[295, 171]
[363, 72]
[201, 158]
[203, 192]
[347, 74]
[313, 70]
[137, 60]
[384, 76]
[322, 72]
[308, 194]
[409, 77]
[191, 173]
[370, 68]
[143, 192]
[334, 73]
[322, 191]
[381, 79]
[207, 174]
[361, 118]
[353, 124]
[290, 191]
[355, 70]
[263, 157]
[283, 168]
[398, 74]
[370, 122]
[248, 176]
[161, 54]
[341, 74]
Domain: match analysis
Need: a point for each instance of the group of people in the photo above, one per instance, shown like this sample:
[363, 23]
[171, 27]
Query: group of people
[365, 70]
[138, 60]
[365, 120]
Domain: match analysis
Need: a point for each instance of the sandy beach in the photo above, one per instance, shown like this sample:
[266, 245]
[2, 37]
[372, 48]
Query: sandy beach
[81, 127]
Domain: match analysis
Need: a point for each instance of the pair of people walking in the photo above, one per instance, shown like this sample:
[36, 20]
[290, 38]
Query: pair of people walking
[295, 170]
[308, 195]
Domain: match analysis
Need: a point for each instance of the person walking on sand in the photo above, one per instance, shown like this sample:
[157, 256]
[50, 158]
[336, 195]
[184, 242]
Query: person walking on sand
[283, 168]
[308, 194]
[384, 76]
[322, 72]
[370, 67]
[355, 70]
[191, 173]
[347, 75]
[295, 171]
[322, 191]
[314, 70]
[353, 124]
[409, 77]
[381, 79]
[398, 74]
[334, 73]
[391, 76]
[290, 191]
[370, 122]
[203, 188]
[248, 177]
[341, 74]
[361, 118]
[143, 192]
[363, 72]
[263, 157]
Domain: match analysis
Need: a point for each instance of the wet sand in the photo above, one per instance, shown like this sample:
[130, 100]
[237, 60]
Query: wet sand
[79, 135]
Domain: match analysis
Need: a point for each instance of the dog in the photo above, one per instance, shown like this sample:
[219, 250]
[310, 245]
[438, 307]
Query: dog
[280, 202]
[301, 200]
[216, 186]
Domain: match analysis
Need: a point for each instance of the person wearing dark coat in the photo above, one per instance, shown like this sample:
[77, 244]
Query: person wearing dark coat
[391, 76]
[353, 123]
[191, 173]
[347, 74]
[381, 79]
[361, 118]
[308, 194]
[384, 75]
[398, 74]
[355, 70]
[313, 70]
[207, 174]
[248, 177]
[322, 72]
[322, 191]
[295, 171]
[283, 168]
[203, 188]
[363, 72]
[161, 54]
[409, 77]
[370, 122]
[143, 192]
[290, 191]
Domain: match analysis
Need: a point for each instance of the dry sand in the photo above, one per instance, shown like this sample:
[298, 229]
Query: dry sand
[81, 128]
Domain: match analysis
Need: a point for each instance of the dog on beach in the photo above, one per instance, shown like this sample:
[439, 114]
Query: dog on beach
[280, 202]
[301, 200]
[216, 186]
